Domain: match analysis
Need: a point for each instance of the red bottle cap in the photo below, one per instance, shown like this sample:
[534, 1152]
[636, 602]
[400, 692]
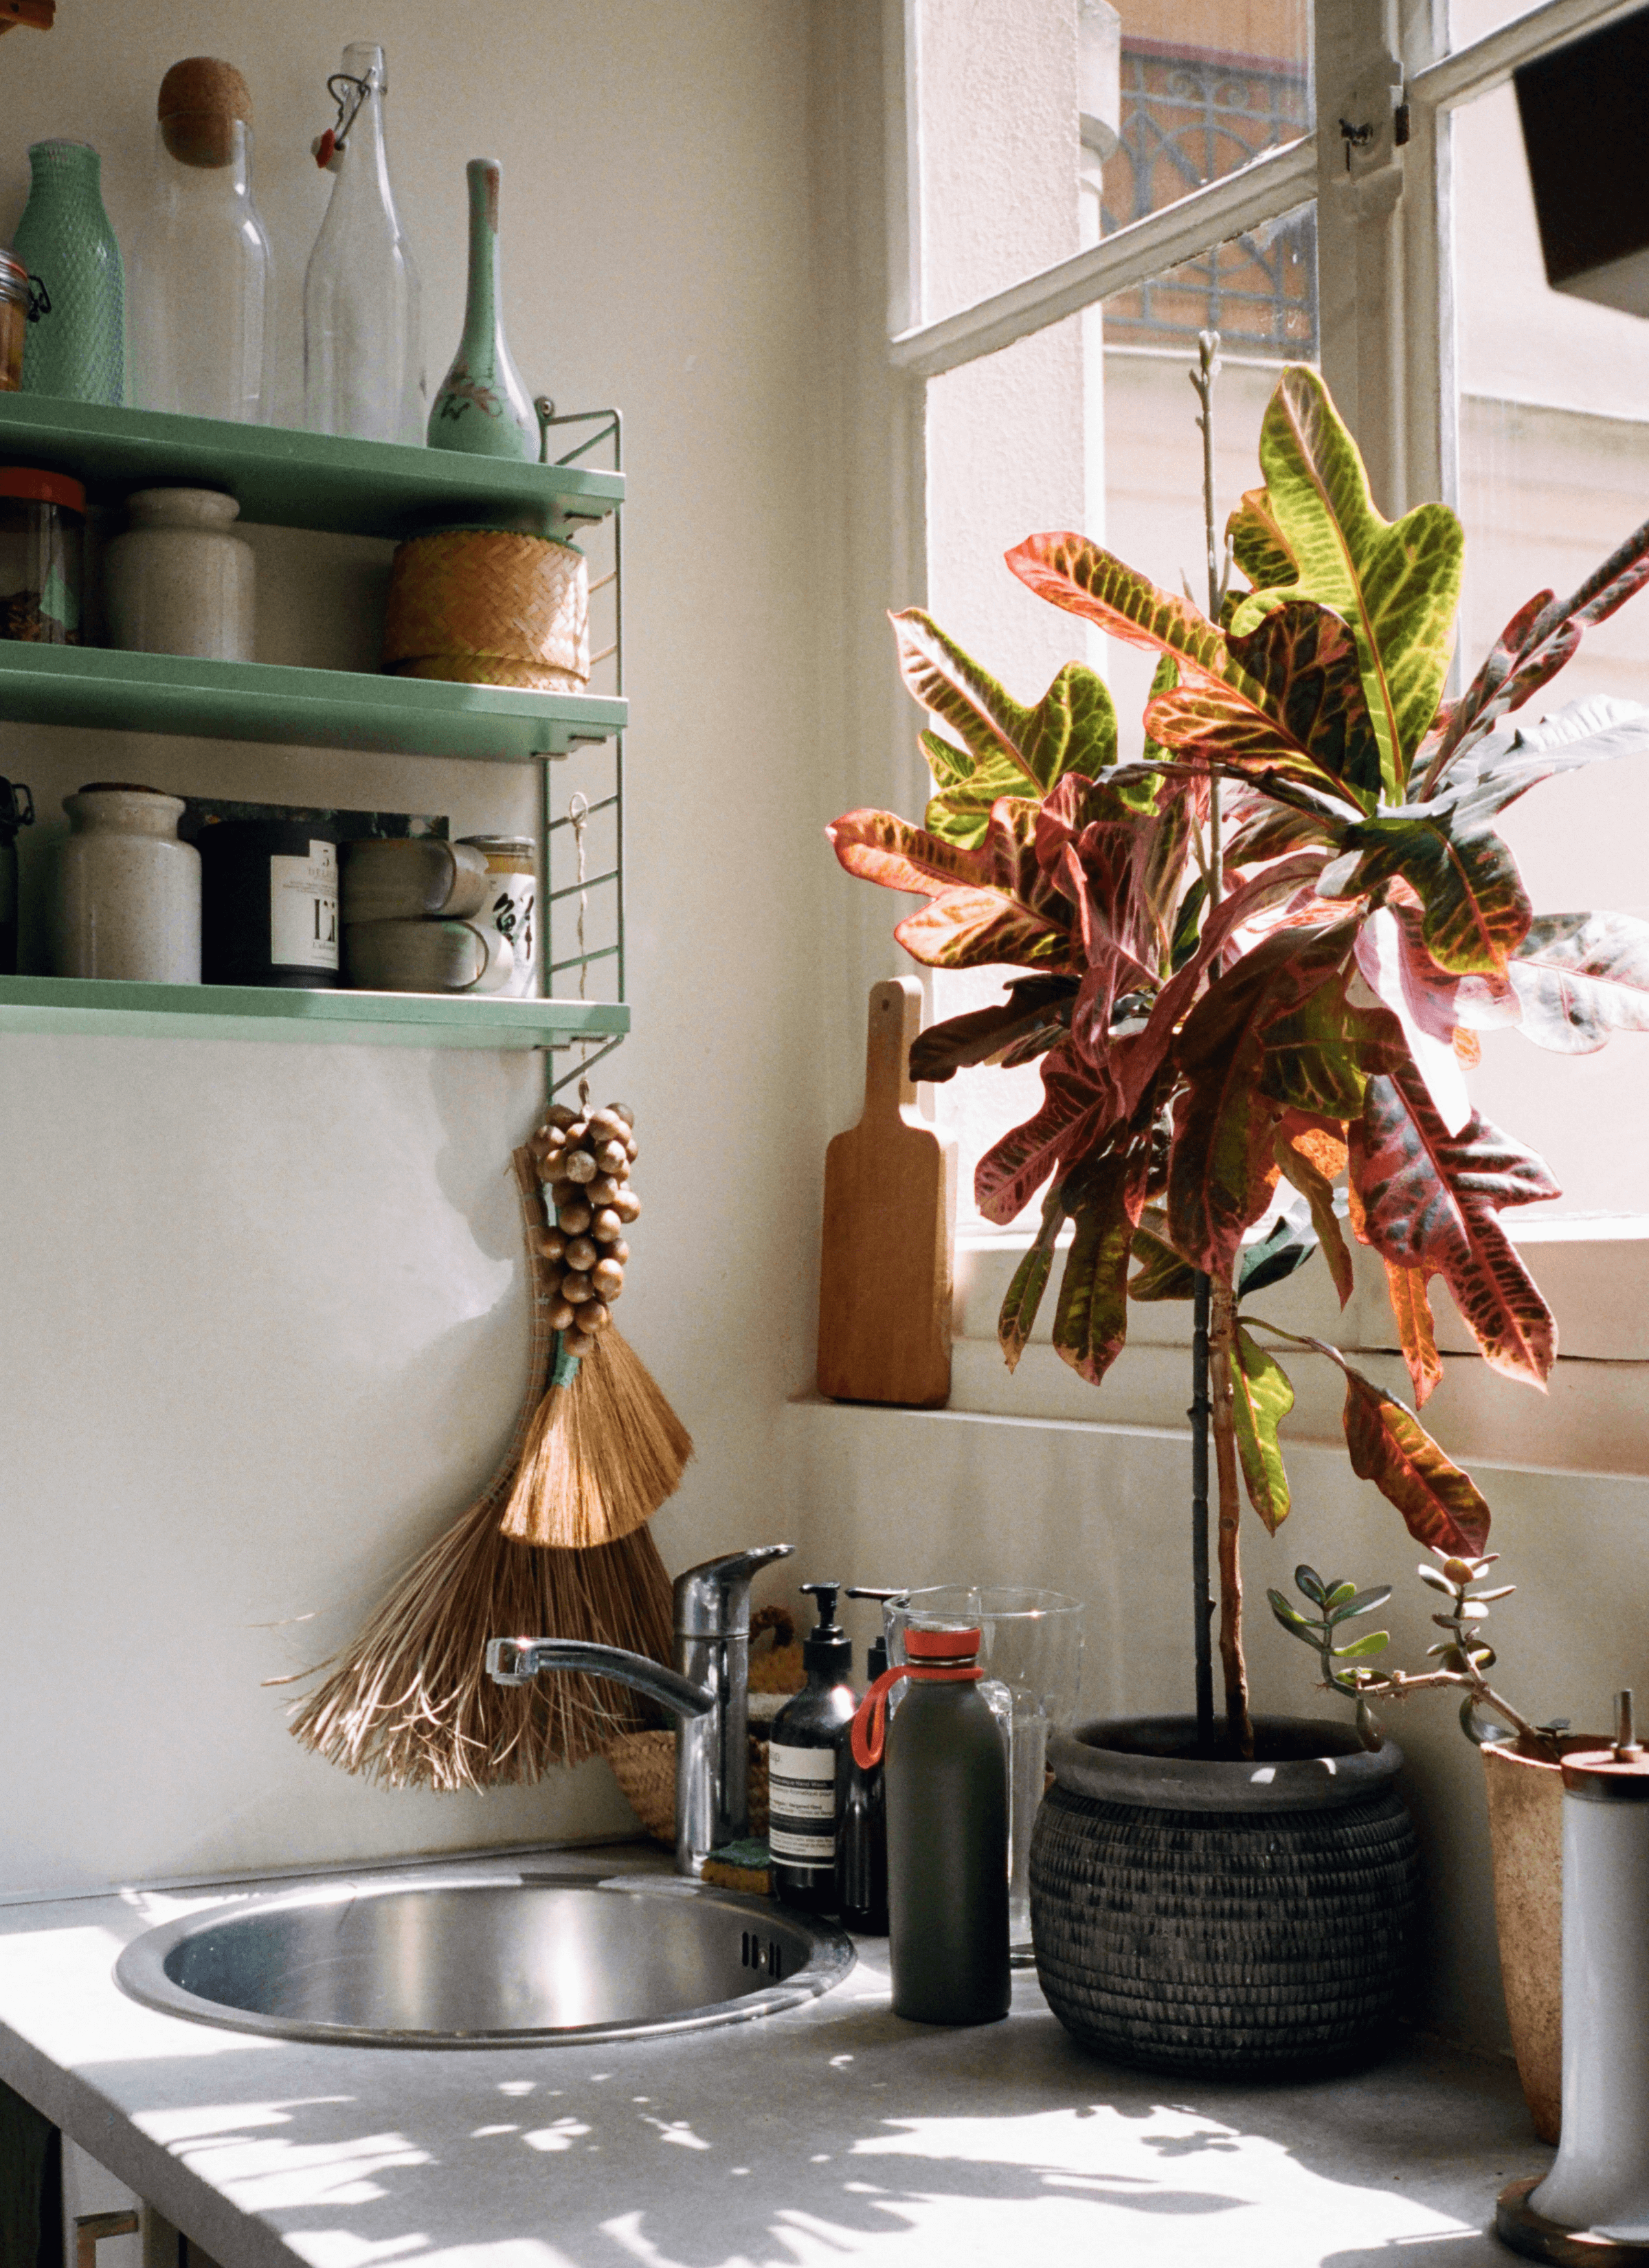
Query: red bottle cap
[41, 488]
[941, 1645]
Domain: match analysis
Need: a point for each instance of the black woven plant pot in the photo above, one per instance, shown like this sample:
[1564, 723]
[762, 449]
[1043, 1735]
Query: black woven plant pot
[1251, 1919]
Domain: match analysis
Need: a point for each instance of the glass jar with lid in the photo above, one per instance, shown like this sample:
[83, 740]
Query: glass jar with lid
[42, 532]
[14, 318]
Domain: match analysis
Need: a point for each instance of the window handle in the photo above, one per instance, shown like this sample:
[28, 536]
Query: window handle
[91, 2228]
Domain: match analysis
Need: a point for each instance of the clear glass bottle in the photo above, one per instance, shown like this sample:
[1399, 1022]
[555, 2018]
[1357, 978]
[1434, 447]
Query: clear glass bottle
[201, 296]
[363, 332]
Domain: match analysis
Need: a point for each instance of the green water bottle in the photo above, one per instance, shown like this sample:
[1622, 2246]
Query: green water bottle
[947, 1831]
[483, 407]
[77, 349]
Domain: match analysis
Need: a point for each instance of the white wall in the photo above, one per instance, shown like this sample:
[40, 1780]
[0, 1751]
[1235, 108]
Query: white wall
[263, 1330]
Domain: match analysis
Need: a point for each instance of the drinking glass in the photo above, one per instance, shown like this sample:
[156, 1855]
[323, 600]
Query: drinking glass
[1030, 1649]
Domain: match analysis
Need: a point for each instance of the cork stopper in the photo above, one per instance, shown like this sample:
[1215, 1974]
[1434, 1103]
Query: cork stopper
[200, 100]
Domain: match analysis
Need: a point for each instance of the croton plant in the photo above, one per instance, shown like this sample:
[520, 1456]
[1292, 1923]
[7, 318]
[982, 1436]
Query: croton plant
[1255, 962]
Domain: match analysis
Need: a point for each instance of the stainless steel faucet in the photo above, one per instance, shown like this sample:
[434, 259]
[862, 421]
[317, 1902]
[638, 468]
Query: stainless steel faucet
[707, 1693]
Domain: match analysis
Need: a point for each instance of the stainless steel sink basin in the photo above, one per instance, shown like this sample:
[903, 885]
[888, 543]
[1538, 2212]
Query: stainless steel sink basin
[515, 1958]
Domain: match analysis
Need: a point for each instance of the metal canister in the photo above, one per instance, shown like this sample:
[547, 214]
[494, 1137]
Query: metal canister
[17, 809]
[510, 905]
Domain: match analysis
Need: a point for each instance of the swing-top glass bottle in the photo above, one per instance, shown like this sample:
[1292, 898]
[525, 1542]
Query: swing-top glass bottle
[362, 339]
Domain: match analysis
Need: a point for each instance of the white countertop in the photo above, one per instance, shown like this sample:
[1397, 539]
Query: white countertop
[834, 2133]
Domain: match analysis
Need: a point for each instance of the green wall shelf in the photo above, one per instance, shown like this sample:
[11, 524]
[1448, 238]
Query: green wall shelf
[299, 480]
[307, 708]
[99, 1008]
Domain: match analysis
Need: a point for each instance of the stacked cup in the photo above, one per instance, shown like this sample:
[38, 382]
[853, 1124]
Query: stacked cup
[409, 906]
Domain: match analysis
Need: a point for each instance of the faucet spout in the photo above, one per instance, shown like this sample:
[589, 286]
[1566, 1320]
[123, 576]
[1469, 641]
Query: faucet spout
[518, 1660]
[706, 1693]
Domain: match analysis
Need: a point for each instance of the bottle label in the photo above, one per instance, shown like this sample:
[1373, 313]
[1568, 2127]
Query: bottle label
[802, 1805]
[304, 909]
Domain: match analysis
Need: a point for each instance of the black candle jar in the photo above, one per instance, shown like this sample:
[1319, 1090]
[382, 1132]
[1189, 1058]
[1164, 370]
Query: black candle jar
[269, 904]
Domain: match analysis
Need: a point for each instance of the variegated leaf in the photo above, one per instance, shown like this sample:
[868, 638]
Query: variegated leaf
[1416, 1333]
[950, 685]
[1079, 1108]
[879, 846]
[1164, 1275]
[1431, 1201]
[1258, 544]
[1261, 1398]
[976, 928]
[1033, 1017]
[966, 787]
[1397, 585]
[1091, 1320]
[1475, 911]
[1580, 977]
[1018, 1319]
[1442, 1506]
[1301, 1170]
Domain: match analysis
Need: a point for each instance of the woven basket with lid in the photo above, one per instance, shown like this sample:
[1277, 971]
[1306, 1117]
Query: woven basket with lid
[488, 606]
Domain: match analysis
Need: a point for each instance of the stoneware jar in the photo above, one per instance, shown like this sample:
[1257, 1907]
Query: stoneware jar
[176, 581]
[128, 891]
[512, 902]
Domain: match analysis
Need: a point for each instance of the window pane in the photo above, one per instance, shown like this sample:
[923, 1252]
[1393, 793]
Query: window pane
[1090, 425]
[1043, 123]
[1554, 470]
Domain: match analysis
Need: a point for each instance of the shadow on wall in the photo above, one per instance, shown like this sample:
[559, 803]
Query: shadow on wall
[741, 2147]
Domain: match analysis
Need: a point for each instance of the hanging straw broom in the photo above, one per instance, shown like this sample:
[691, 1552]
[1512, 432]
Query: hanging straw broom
[605, 1448]
[409, 1704]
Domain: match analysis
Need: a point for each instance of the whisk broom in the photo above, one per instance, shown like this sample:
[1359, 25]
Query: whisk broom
[408, 1703]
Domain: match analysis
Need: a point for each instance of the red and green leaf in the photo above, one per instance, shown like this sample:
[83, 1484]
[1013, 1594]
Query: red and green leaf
[1579, 977]
[1164, 1275]
[1396, 585]
[1442, 1506]
[1091, 1320]
[1006, 749]
[976, 928]
[1024, 1297]
[1416, 1333]
[1261, 1398]
[1258, 544]
[1431, 1201]
[1474, 911]
[879, 846]
[1301, 1169]
[1079, 1109]
[1036, 1015]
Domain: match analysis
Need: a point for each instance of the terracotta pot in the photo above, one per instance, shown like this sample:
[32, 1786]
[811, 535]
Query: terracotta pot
[1526, 1834]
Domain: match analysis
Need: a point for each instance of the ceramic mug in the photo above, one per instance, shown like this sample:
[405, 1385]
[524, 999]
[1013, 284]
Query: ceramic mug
[412, 878]
[426, 956]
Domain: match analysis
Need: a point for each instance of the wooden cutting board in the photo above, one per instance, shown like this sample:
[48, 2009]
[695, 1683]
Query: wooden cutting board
[889, 1217]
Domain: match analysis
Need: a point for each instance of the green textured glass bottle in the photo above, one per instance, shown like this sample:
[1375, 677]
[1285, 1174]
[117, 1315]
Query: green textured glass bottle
[78, 348]
[483, 407]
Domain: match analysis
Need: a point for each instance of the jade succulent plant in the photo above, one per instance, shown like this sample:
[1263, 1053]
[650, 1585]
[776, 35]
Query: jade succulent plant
[1254, 962]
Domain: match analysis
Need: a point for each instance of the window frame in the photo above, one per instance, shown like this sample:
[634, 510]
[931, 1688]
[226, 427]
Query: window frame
[1386, 340]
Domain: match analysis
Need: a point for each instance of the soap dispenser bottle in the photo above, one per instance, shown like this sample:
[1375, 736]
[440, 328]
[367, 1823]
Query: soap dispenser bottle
[808, 1763]
[862, 1836]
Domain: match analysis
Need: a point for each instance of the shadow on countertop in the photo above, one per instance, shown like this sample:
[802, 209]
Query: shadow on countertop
[848, 2133]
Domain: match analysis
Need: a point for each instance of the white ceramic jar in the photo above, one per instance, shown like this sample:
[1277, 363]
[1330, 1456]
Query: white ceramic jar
[176, 581]
[511, 903]
[129, 901]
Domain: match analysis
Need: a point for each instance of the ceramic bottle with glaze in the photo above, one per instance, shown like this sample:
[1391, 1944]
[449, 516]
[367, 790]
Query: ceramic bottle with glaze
[482, 408]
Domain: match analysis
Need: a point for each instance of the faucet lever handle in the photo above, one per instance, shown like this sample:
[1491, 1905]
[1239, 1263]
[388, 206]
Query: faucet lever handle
[713, 1599]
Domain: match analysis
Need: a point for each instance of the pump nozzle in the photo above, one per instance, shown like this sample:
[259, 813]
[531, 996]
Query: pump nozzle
[825, 1594]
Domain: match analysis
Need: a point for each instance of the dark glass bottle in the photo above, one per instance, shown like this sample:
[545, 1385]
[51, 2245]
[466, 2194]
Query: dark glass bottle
[861, 1835]
[947, 1840]
[807, 1765]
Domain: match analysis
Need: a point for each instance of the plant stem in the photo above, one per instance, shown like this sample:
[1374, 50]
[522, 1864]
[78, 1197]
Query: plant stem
[1202, 1596]
[1398, 1684]
[1222, 1337]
